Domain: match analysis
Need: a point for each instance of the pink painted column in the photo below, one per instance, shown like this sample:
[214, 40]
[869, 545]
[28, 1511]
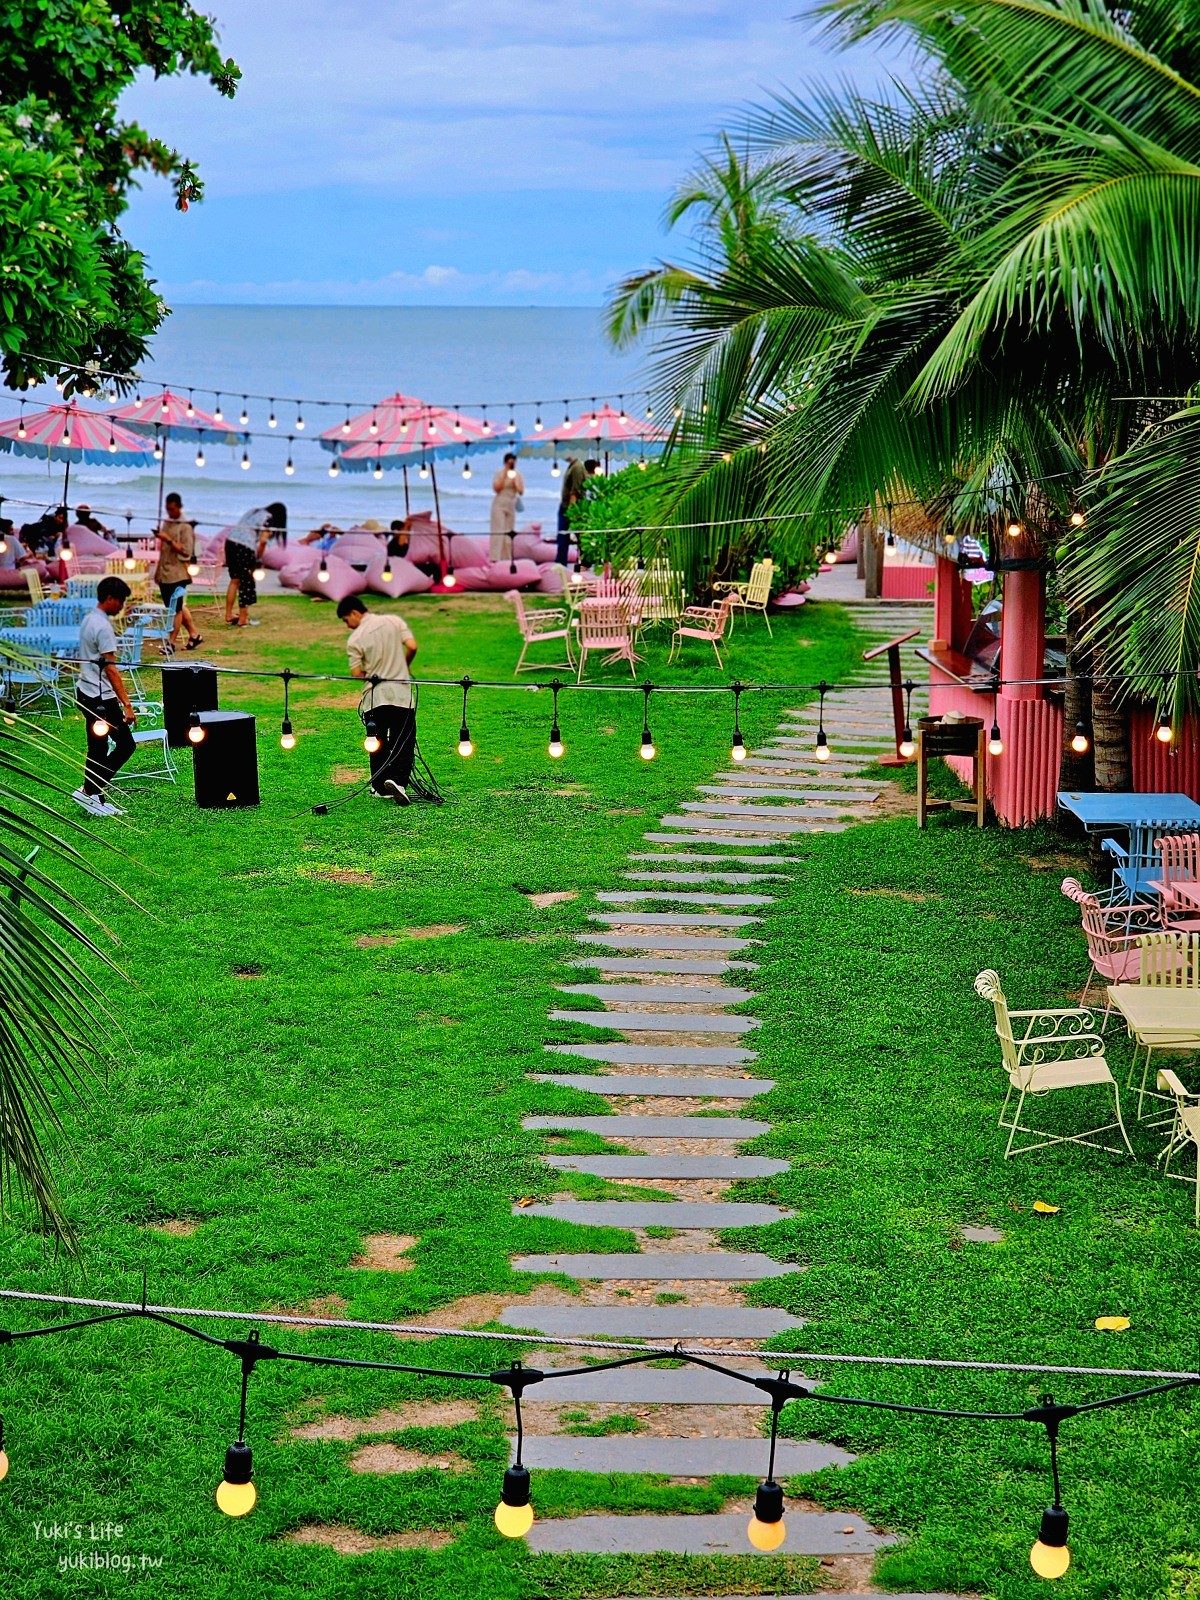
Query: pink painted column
[1023, 634]
[945, 582]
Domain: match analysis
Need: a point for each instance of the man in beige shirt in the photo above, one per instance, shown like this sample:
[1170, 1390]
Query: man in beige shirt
[381, 649]
[176, 548]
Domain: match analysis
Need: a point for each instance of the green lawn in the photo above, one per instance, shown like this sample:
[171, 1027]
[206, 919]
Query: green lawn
[293, 1086]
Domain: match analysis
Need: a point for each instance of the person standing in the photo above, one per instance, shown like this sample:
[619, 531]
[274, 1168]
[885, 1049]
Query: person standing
[176, 548]
[381, 648]
[104, 700]
[507, 488]
[245, 542]
[574, 480]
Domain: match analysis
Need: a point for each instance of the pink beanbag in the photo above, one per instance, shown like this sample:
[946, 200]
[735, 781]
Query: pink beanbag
[342, 580]
[532, 547]
[496, 576]
[360, 547]
[11, 578]
[406, 579]
[552, 580]
[790, 597]
[277, 556]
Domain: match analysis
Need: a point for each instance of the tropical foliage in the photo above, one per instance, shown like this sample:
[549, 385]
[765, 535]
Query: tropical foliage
[967, 286]
[71, 288]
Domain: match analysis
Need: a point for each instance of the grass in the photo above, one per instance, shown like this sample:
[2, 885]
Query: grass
[354, 1086]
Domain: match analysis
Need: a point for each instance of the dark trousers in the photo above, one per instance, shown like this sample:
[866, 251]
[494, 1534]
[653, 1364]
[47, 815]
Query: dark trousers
[563, 542]
[396, 727]
[105, 756]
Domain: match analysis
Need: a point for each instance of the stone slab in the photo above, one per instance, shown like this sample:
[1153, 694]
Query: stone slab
[706, 822]
[707, 856]
[716, 897]
[653, 1127]
[673, 1458]
[665, 966]
[827, 797]
[662, 1266]
[682, 1214]
[810, 1533]
[669, 1166]
[666, 1323]
[627, 1083]
[659, 1021]
[661, 993]
[673, 919]
[706, 875]
[660, 1055]
[655, 1386]
[690, 835]
[675, 944]
[735, 809]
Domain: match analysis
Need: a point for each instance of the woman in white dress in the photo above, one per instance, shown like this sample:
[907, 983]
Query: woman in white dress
[507, 488]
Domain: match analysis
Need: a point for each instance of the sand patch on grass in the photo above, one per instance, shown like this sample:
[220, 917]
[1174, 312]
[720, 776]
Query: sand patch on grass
[551, 897]
[353, 876]
[435, 930]
[174, 1227]
[896, 894]
[376, 941]
[417, 1414]
[392, 1458]
[348, 1541]
[323, 1308]
[386, 1252]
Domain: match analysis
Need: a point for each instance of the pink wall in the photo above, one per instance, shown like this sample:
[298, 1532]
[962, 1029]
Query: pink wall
[1164, 768]
[908, 583]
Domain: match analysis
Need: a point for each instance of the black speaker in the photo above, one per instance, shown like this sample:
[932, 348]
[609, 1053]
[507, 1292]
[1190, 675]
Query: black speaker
[225, 762]
[186, 688]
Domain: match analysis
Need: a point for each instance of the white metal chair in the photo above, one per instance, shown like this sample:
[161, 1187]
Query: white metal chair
[755, 593]
[163, 767]
[541, 625]
[1056, 1049]
[1185, 1129]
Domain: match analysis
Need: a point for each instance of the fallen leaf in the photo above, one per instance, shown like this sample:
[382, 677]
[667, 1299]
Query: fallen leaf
[1044, 1210]
[526, 1200]
[1112, 1324]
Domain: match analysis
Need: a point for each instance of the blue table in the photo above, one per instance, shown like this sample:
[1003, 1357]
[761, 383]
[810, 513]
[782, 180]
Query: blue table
[1146, 817]
[43, 641]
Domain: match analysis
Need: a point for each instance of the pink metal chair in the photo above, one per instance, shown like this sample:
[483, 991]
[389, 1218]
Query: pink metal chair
[604, 625]
[1112, 934]
[541, 626]
[707, 623]
[1179, 858]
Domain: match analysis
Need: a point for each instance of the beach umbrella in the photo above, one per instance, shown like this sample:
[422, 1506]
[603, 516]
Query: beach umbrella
[403, 429]
[73, 434]
[601, 429]
[164, 416]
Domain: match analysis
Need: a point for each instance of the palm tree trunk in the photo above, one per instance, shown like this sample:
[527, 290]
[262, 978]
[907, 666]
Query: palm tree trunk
[873, 559]
[1114, 769]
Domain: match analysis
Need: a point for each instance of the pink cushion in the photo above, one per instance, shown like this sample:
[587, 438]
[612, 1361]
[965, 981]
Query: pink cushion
[11, 578]
[496, 575]
[790, 597]
[406, 579]
[532, 547]
[84, 542]
[551, 580]
[357, 547]
[277, 556]
[343, 579]
[293, 577]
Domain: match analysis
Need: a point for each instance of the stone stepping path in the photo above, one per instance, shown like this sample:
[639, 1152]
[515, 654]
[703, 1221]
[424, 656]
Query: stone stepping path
[629, 1083]
[657, 1213]
[702, 876]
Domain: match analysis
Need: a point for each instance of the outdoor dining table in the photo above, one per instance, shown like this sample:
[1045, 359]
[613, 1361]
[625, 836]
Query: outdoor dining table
[50, 641]
[1158, 1017]
[1127, 810]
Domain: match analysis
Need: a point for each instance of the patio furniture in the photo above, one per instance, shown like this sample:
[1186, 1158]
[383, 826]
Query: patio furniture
[37, 589]
[1112, 934]
[604, 625]
[1056, 1049]
[937, 738]
[1185, 1129]
[541, 625]
[1160, 1016]
[1145, 818]
[755, 593]
[163, 766]
[706, 623]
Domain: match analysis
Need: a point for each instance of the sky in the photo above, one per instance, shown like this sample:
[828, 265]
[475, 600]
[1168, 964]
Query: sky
[515, 153]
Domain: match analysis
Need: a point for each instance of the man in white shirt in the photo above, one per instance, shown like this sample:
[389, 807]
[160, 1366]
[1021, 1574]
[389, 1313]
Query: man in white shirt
[104, 700]
[381, 649]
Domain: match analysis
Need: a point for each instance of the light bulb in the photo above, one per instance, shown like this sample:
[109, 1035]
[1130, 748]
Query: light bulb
[245, 461]
[346, 425]
[372, 744]
[130, 563]
[908, 745]
[387, 574]
[299, 423]
[236, 1494]
[377, 472]
[1077, 519]
[1014, 529]
[334, 469]
[286, 737]
[1164, 733]
[21, 431]
[995, 742]
[323, 571]
[766, 1535]
[466, 745]
[647, 750]
[424, 471]
[831, 558]
[158, 451]
[67, 554]
[822, 751]
[191, 409]
[538, 425]
[259, 573]
[218, 414]
[555, 470]
[449, 581]
[511, 474]
[112, 444]
[272, 421]
[374, 427]
[195, 732]
[289, 467]
[1080, 742]
[1050, 1556]
[738, 751]
[166, 405]
[556, 747]
[193, 568]
[244, 418]
[200, 458]
[101, 728]
[514, 1522]
[466, 469]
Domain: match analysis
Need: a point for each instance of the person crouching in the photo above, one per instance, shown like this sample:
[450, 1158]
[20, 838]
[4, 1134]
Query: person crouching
[381, 649]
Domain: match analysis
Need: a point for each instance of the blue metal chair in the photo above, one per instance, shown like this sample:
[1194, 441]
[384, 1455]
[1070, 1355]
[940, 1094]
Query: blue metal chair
[1138, 863]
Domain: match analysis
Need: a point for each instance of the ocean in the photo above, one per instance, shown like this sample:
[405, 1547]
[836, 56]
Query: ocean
[458, 356]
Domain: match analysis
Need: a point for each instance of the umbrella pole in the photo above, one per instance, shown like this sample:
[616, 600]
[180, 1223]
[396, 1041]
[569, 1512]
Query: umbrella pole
[437, 515]
[162, 474]
[404, 470]
[66, 480]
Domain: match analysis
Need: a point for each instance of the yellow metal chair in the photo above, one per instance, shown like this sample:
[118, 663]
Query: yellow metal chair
[755, 593]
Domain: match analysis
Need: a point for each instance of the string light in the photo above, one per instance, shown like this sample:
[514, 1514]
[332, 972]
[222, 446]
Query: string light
[512, 423]
[387, 574]
[1164, 733]
[236, 1495]
[218, 414]
[131, 561]
[245, 460]
[287, 738]
[1077, 518]
[1050, 1556]
[647, 750]
[299, 423]
[193, 565]
[196, 730]
[513, 1515]
[738, 748]
[101, 728]
[556, 749]
[200, 455]
[995, 742]
[3, 1454]
[65, 552]
[334, 468]
[373, 425]
[466, 746]
[372, 743]
[907, 746]
[289, 466]
[538, 425]
[272, 420]
[822, 751]
[259, 572]
[766, 1530]
[555, 469]
[1080, 742]
[346, 424]
[244, 418]
[21, 428]
[377, 469]
[166, 404]
[466, 467]
[191, 406]
[158, 448]
[423, 472]
[323, 570]
[112, 441]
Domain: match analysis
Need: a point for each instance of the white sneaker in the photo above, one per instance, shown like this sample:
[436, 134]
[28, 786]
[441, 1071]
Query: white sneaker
[396, 791]
[107, 809]
[376, 794]
[83, 799]
[89, 802]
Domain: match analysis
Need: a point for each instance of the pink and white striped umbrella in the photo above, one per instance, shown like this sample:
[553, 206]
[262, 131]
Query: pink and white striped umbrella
[72, 434]
[403, 429]
[166, 412]
[617, 433]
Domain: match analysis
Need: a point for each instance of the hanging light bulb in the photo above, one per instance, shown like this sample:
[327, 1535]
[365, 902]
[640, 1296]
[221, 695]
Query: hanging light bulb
[22, 431]
[196, 735]
[245, 460]
[387, 574]
[766, 1530]
[1080, 742]
[372, 743]
[423, 471]
[218, 414]
[1077, 518]
[191, 406]
[556, 749]
[908, 745]
[1163, 733]
[166, 404]
[236, 1494]
[538, 425]
[822, 749]
[299, 423]
[831, 556]
[193, 566]
[112, 442]
[555, 470]
[346, 424]
[286, 737]
[244, 417]
[466, 471]
[458, 427]
[995, 742]
[512, 423]
[101, 728]
[323, 571]
[487, 427]
[1013, 529]
[737, 751]
[3, 1456]
[373, 427]
[514, 1514]
[466, 746]
[130, 560]
[334, 468]
[272, 420]
[259, 572]
[200, 455]
[647, 750]
[289, 466]
[65, 553]
[377, 470]
[1050, 1556]
[158, 449]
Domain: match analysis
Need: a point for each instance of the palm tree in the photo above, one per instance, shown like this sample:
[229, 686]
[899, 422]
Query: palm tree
[52, 1010]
